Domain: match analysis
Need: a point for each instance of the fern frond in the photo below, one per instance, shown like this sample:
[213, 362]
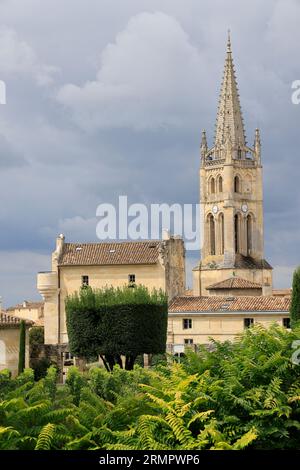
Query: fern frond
[45, 437]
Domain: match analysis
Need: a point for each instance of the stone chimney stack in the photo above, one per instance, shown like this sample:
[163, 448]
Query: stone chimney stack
[60, 241]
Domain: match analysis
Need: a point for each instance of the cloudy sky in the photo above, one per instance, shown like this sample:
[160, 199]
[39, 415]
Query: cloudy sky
[109, 97]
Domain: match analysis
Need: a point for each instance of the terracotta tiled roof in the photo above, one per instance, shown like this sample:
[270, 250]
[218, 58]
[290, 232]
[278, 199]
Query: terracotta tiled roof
[256, 303]
[87, 254]
[11, 321]
[28, 305]
[235, 283]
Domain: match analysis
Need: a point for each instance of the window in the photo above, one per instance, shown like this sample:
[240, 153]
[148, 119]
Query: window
[239, 153]
[188, 341]
[187, 323]
[212, 186]
[212, 235]
[131, 280]
[84, 281]
[237, 233]
[237, 188]
[248, 322]
[286, 322]
[222, 234]
[249, 234]
[220, 184]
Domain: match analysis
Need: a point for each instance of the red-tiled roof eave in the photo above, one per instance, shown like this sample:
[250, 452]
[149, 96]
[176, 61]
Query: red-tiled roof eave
[62, 265]
[199, 312]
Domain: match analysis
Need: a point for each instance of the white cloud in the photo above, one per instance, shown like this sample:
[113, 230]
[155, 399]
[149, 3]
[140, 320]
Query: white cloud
[149, 77]
[18, 57]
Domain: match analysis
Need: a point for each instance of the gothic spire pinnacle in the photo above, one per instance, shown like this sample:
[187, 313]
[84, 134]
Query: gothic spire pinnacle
[228, 42]
[229, 111]
[257, 144]
[203, 144]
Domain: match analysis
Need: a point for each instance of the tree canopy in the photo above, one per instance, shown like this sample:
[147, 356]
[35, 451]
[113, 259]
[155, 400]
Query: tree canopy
[117, 322]
[295, 303]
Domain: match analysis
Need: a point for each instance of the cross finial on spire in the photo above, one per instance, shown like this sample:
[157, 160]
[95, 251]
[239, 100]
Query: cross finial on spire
[228, 41]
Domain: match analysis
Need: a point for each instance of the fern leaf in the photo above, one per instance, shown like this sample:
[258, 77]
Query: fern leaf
[45, 437]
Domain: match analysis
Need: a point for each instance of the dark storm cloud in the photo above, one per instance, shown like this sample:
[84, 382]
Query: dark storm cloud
[108, 98]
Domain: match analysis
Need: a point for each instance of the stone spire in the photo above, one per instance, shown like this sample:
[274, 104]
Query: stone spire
[229, 111]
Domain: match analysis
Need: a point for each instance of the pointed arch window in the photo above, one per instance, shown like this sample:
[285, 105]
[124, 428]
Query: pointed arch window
[237, 233]
[212, 235]
[220, 184]
[237, 185]
[239, 152]
[249, 230]
[221, 220]
[212, 186]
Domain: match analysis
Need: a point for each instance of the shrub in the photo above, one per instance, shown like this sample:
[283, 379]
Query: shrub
[22, 347]
[295, 303]
[117, 322]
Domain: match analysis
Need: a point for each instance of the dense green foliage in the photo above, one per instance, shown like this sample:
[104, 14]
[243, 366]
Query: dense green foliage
[244, 394]
[22, 346]
[295, 303]
[113, 322]
[38, 362]
[36, 339]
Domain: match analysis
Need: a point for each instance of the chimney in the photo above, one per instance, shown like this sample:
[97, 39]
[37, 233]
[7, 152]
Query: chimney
[60, 241]
[166, 235]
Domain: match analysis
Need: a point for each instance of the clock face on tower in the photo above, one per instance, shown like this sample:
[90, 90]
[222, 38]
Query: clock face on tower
[215, 209]
[244, 208]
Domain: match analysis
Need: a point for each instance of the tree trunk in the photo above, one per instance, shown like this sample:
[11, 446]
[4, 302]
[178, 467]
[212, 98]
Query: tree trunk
[129, 362]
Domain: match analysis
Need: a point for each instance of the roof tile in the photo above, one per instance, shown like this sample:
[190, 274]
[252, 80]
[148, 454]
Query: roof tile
[256, 303]
[91, 254]
[235, 283]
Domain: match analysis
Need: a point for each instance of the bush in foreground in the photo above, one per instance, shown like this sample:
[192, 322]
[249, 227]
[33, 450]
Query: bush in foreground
[245, 394]
[117, 322]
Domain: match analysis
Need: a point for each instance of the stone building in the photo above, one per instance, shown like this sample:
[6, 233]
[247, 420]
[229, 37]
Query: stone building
[9, 342]
[231, 199]
[232, 283]
[29, 311]
[154, 264]
[194, 320]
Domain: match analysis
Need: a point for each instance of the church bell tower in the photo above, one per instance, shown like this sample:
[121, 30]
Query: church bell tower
[231, 199]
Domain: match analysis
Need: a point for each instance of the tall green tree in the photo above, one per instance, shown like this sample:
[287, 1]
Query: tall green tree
[22, 346]
[117, 322]
[295, 303]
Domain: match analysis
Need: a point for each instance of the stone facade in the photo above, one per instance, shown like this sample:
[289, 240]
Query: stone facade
[28, 311]
[9, 342]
